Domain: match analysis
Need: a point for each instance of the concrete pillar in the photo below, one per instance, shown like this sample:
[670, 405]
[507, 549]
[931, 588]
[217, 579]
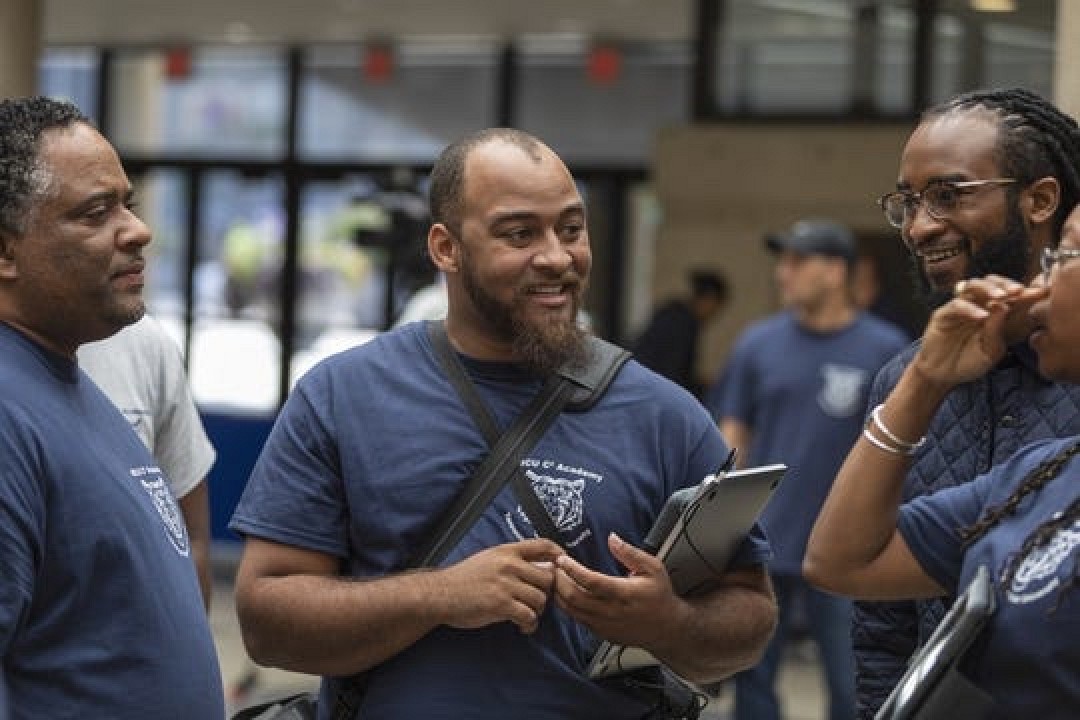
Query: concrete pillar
[1067, 59]
[21, 28]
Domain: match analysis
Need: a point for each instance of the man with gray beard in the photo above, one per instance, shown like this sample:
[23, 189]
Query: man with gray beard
[374, 445]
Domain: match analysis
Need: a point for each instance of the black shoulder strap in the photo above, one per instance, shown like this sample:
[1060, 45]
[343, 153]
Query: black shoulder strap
[503, 463]
[603, 360]
[577, 389]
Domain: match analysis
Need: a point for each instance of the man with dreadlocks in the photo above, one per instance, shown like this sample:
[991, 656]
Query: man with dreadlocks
[985, 183]
[1021, 519]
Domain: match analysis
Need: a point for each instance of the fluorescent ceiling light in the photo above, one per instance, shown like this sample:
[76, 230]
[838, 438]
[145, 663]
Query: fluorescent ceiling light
[996, 6]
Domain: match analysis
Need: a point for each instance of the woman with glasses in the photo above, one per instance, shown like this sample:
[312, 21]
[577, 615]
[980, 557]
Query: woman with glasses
[1021, 519]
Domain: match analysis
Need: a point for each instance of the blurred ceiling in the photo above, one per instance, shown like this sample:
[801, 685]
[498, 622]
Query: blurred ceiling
[105, 22]
[134, 22]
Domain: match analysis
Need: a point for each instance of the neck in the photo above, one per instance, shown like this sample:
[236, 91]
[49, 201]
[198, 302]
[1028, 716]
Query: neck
[835, 313]
[42, 340]
[480, 346]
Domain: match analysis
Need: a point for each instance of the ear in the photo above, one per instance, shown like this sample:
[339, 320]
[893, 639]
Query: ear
[443, 248]
[1040, 200]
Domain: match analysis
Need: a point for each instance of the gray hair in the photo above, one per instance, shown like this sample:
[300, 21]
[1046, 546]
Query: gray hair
[23, 121]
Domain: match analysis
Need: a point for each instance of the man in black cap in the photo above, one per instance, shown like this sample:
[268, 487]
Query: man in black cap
[796, 391]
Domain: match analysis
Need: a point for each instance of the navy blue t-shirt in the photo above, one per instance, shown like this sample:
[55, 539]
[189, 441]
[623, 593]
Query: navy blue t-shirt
[1028, 655]
[100, 611]
[374, 443]
[803, 396]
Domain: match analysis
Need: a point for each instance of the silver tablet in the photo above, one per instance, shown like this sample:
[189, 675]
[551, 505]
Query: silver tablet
[710, 523]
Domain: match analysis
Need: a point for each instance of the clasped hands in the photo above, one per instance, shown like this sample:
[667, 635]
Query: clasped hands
[965, 337]
[514, 582]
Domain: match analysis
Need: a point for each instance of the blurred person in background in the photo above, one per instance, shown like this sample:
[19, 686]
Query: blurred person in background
[669, 343]
[795, 392]
[141, 370]
[872, 295]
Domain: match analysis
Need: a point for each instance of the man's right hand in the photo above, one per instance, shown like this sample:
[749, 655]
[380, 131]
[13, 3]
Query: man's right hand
[509, 582]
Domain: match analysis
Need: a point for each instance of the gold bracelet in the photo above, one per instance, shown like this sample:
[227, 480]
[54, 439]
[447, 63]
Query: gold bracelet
[884, 447]
[908, 447]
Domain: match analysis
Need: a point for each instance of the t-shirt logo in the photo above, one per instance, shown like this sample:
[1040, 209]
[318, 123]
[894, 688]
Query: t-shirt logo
[563, 498]
[841, 392]
[1038, 573]
[154, 483]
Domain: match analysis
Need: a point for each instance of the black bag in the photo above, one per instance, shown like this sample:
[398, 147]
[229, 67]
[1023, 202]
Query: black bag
[669, 697]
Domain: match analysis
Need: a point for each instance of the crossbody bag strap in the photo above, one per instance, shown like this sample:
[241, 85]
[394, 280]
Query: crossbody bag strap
[578, 390]
[603, 360]
[502, 465]
[455, 373]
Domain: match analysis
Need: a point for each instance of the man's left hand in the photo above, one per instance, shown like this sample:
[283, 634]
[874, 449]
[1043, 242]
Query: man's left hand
[640, 609]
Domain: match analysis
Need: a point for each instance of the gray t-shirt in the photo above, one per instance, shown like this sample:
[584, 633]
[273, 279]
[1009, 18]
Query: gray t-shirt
[140, 369]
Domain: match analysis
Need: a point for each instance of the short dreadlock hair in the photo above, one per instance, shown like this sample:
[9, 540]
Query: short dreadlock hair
[1037, 140]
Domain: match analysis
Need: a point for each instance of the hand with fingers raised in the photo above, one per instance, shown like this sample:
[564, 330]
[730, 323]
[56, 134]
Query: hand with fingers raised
[965, 337]
[634, 610]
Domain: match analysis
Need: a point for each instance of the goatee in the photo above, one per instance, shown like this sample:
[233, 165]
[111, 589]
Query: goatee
[541, 347]
[544, 348]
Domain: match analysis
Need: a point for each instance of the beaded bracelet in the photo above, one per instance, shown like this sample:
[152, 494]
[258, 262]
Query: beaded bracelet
[908, 447]
[883, 446]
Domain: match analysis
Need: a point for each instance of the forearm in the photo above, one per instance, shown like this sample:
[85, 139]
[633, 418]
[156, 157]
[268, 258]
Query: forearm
[720, 632]
[853, 547]
[200, 554]
[335, 626]
[297, 613]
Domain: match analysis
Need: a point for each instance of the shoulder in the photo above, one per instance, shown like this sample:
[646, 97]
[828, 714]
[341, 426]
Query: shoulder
[767, 330]
[651, 394]
[396, 351]
[1002, 479]
[673, 309]
[144, 339]
[1040, 451]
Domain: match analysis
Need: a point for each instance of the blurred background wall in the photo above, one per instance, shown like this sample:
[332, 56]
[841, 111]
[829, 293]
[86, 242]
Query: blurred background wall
[280, 148]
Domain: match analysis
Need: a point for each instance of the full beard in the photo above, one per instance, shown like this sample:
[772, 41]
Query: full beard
[1007, 254]
[542, 346]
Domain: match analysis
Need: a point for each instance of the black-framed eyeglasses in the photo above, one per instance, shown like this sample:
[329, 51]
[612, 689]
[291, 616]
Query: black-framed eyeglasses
[1051, 258]
[939, 198]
